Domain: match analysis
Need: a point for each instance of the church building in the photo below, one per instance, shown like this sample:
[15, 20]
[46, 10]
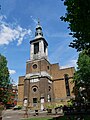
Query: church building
[44, 82]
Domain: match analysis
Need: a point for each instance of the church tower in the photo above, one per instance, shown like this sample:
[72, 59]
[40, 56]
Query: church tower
[37, 81]
[38, 45]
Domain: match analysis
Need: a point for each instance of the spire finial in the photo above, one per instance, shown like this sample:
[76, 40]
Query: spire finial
[38, 29]
[38, 21]
[38, 24]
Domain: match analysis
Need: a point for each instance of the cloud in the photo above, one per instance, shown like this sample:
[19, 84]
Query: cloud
[2, 17]
[71, 63]
[12, 72]
[11, 32]
[34, 20]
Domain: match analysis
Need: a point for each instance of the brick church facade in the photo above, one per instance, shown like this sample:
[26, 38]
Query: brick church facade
[44, 82]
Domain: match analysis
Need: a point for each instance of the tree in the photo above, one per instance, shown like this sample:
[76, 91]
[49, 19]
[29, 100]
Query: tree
[5, 85]
[82, 78]
[78, 17]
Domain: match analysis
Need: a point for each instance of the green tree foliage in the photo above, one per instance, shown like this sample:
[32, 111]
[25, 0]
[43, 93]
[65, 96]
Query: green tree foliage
[82, 77]
[78, 17]
[5, 86]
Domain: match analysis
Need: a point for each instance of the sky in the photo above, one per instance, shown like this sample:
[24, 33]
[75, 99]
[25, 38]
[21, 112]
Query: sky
[18, 20]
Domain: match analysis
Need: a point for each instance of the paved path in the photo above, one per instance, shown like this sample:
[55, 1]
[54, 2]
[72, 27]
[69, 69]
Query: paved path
[12, 115]
[19, 114]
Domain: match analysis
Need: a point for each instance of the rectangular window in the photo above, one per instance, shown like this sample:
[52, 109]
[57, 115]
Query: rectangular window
[36, 48]
[34, 102]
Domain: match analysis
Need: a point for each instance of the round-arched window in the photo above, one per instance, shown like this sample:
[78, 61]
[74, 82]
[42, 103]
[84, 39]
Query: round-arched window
[34, 89]
[48, 67]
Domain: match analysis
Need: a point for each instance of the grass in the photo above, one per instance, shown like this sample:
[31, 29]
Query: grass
[86, 117]
[39, 119]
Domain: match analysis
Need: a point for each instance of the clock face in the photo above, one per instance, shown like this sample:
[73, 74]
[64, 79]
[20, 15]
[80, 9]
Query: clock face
[34, 66]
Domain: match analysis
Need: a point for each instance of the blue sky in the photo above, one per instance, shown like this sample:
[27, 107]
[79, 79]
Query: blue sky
[18, 19]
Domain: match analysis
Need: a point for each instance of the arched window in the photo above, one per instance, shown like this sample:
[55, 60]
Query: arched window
[66, 76]
[49, 88]
[45, 46]
[36, 48]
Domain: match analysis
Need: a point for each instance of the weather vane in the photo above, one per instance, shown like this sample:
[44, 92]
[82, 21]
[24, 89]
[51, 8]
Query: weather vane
[38, 21]
[0, 7]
